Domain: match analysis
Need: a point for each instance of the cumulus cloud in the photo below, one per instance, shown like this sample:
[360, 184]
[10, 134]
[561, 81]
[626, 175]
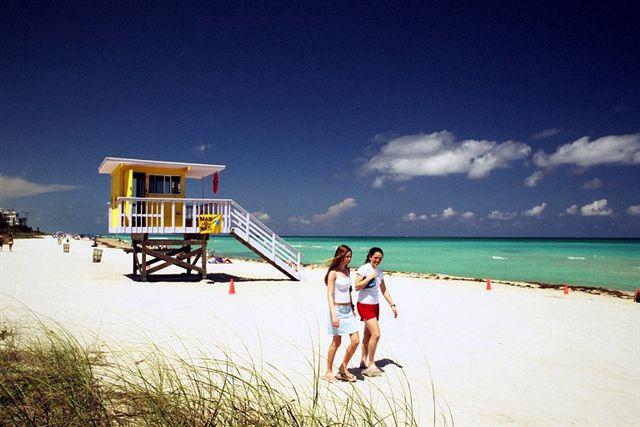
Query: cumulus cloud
[592, 184]
[501, 216]
[468, 215]
[612, 149]
[536, 210]
[262, 216]
[332, 213]
[547, 133]
[532, 180]
[597, 208]
[572, 210]
[335, 210]
[634, 210]
[18, 187]
[448, 213]
[438, 154]
[412, 217]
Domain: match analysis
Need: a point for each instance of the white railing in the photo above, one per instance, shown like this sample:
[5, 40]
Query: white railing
[180, 215]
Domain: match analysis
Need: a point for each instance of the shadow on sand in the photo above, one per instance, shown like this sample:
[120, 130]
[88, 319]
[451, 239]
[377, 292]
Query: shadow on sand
[381, 363]
[193, 278]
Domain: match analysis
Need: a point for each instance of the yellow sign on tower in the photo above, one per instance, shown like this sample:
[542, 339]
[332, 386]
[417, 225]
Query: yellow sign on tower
[210, 223]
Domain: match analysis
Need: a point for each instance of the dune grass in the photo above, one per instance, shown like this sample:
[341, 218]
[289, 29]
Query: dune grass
[48, 378]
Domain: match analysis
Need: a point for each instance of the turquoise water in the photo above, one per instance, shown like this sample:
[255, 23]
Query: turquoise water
[610, 263]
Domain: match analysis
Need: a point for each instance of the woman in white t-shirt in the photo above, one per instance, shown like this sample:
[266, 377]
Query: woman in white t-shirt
[370, 282]
[342, 320]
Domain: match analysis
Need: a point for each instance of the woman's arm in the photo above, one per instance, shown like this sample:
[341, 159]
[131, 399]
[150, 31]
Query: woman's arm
[331, 284]
[361, 282]
[387, 296]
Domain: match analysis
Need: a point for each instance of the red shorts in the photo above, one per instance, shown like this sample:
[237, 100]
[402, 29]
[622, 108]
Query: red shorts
[368, 311]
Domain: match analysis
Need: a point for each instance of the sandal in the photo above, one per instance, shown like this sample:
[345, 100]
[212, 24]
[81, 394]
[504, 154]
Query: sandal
[346, 376]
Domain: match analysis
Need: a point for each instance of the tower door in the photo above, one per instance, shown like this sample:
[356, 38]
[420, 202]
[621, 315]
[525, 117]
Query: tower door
[139, 207]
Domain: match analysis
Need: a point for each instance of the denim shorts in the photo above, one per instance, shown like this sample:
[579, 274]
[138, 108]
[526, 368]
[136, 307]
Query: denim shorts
[348, 322]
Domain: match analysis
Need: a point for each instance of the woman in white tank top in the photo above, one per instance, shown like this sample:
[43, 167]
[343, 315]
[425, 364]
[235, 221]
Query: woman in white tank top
[341, 315]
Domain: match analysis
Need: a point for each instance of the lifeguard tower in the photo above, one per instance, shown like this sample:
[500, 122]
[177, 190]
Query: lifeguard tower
[148, 198]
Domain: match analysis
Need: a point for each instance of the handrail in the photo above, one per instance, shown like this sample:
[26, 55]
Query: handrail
[149, 215]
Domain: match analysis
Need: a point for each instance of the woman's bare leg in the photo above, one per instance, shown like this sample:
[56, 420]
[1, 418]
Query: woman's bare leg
[353, 345]
[331, 354]
[374, 336]
[366, 336]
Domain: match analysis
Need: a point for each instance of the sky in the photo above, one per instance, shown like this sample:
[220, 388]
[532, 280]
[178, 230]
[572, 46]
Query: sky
[479, 119]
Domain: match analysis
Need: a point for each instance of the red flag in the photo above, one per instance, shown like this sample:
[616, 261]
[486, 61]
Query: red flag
[216, 179]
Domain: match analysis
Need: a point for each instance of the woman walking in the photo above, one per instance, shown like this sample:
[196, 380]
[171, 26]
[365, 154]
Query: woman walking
[370, 282]
[342, 319]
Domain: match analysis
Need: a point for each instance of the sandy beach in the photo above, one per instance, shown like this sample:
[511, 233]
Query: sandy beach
[509, 356]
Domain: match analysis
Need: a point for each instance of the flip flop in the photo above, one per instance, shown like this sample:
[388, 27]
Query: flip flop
[346, 376]
[372, 372]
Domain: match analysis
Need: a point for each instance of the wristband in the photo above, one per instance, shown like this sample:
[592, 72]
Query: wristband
[393, 305]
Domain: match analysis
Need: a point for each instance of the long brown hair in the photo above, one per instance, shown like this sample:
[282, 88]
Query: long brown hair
[341, 252]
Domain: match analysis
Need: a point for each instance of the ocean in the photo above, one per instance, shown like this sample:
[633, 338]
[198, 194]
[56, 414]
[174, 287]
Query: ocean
[609, 263]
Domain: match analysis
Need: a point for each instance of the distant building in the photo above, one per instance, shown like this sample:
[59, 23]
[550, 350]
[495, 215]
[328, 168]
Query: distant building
[12, 218]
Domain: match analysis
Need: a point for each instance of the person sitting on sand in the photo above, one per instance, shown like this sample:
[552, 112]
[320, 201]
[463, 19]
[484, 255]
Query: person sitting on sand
[370, 282]
[10, 242]
[342, 320]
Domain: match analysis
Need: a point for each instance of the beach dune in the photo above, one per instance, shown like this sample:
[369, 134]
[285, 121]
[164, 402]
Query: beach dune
[509, 356]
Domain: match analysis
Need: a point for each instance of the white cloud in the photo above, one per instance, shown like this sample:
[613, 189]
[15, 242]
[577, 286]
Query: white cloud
[335, 210]
[448, 213]
[592, 184]
[532, 180]
[433, 216]
[332, 213]
[298, 220]
[438, 154]
[572, 210]
[18, 187]
[634, 210]
[501, 216]
[262, 216]
[467, 215]
[412, 216]
[202, 147]
[597, 208]
[612, 149]
[547, 133]
[536, 210]
[378, 182]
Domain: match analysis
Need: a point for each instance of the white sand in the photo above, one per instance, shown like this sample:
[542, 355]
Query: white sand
[510, 356]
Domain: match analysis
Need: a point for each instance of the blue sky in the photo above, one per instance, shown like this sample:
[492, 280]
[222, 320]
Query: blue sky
[345, 118]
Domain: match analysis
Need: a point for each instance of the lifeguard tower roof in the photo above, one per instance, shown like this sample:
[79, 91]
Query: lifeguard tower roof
[193, 170]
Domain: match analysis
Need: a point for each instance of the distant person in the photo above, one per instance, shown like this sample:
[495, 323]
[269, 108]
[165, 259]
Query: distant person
[342, 319]
[10, 242]
[370, 282]
[1, 241]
